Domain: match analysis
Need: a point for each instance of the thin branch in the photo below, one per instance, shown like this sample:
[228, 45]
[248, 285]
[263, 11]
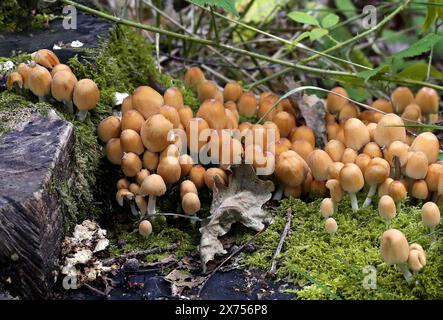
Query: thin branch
[283, 236]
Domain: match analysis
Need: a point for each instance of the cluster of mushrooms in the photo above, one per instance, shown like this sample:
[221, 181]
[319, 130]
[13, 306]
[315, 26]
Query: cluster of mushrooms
[368, 149]
[45, 76]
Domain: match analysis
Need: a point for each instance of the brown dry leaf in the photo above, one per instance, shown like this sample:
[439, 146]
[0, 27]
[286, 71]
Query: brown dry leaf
[241, 201]
[180, 281]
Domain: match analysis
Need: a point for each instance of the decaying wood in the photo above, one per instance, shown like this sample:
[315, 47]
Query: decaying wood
[135, 254]
[283, 236]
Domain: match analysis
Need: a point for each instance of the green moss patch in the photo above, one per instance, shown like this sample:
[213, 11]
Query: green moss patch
[333, 266]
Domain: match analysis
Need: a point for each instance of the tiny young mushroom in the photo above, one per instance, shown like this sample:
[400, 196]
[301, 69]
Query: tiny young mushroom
[356, 134]
[335, 190]
[14, 81]
[416, 258]
[417, 165]
[331, 225]
[131, 164]
[386, 208]
[86, 96]
[125, 194]
[123, 183]
[62, 88]
[395, 250]
[352, 181]
[327, 208]
[153, 186]
[397, 191]
[191, 203]
[109, 128]
[145, 228]
[430, 215]
[187, 186]
[429, 101]
[141, 175]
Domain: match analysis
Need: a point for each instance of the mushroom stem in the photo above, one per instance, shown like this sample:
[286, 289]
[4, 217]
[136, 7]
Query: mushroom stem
[134, 210]
[69, 106]
[354, 202]
[371, 193]
[81, 115]
[405, 270]
[151, 205]
[41, 99]
[278, 194]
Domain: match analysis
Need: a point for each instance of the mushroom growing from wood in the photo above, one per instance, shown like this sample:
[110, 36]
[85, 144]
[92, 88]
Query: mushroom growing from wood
[86, 96]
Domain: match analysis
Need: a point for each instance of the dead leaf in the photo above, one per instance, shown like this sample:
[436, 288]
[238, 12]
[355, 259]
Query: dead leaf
[241, 201]
[180, 281]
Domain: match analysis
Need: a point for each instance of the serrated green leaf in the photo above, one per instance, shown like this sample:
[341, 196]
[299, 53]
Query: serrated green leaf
[330, 20]
[303, 17]
[358, 94]
[228, 5]
[423, 45]
[368, 74]
[317, 33]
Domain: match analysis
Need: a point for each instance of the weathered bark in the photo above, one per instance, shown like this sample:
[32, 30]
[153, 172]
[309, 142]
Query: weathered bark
[32, 158]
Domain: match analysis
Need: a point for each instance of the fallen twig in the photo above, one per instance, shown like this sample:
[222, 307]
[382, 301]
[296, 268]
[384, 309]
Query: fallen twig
[283, 236]
[95, 290]
[135, 254]
[235, 252]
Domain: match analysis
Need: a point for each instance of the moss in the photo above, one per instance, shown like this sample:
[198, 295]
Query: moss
[331, 266]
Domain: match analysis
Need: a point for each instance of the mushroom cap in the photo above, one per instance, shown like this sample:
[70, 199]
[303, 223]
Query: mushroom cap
[114, 151]
[417, 165]
[331, 225]
[334, 103]
[187, 186]
[416, 259]
[327, 207]
[153, 185]
[191, 203]
[131, 164]
[208, 90]
[420, 189]
[123, 183]
[289, 169]
[349, 156]
[185, 113]
[397, 190]
[430, 214]
[389, 129]
[319, 161]
[193, 77]
[383, 189]
[371, 129]
[193, 129]
[147, 101]
[40, 81]
[335, 190]
[432, 176]
[376, 172]
[127, 105]
[285, 123]
[394, 247]
[213, 112]
[134, 188]
[428, 100]
[356, 134]
[362, 161]
[132, 119]
[303, 148]
[131, 142]
[155, 131]
[351, 178]
[197, 175]
[281, 146]
[211, 173]
[150, 160]
[386, 207]
[171, 114]
[141, 175]
[427, 143]
[60, 67]
[169, 169]
[303, 133]
[383, 105]
[247, 104]
[14, 78]
[108, 128]
[334, 170]
[401, 97]
[145, 228]
[335, 148]
[86, 94]
[45, 58]
[173, 97]
[24, 70]
[231, 119]
[123, 194]
[232, 91]
[265, 105]
[397, 149]
[294, 192]
[348, 111]
[373, 150]
[186, 164]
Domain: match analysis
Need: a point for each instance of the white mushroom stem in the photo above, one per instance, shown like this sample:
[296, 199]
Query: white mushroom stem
[406, 272]
[134, 210]
[354, 202]
[371, 193]
[81, 115]
[69, 106]
[151, 205]
[278, 194]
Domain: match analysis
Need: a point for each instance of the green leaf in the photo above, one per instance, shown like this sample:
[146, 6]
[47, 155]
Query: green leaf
[419, 71]
[346, 6]
[330, 20]
[228, 5]
[303, 17]
[301, 37]
[317, 33]
[423, 45]
[368, 74]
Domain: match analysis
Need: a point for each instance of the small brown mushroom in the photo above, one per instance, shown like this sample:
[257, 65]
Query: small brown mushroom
[86, 96]
[62, 88]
